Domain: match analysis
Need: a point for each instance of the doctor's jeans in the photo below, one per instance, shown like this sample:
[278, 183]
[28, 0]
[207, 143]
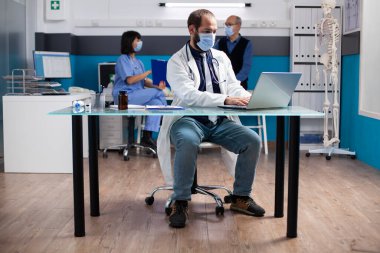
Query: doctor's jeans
[186, 135]
[149, 96]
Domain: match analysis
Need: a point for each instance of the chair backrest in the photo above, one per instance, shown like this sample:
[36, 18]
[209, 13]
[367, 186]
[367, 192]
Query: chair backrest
[106, 73]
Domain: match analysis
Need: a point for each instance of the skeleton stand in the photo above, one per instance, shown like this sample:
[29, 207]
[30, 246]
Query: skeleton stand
[328, 32]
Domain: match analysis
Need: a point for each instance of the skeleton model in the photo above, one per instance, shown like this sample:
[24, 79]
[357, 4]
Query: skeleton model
[327, 35]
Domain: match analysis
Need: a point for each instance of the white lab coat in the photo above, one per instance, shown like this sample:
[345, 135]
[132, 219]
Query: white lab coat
[184, 84]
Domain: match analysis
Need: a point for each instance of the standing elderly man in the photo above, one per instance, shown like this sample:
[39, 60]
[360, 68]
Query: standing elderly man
[237, 48]
[203, 77]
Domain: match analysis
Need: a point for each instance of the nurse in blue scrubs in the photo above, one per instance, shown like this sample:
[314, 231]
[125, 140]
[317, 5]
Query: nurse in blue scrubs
[131, 76]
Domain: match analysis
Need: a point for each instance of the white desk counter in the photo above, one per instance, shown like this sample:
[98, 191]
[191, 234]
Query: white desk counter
[35, 142]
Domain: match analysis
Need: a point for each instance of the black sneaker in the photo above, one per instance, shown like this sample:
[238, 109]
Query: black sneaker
[178, 216]
[246, 205]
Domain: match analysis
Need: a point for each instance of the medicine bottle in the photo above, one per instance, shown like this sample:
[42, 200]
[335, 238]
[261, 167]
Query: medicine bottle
[123, 100]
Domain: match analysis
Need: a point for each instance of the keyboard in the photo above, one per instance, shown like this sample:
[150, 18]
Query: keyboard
[237, 107]
[55, 93]
[47, 84]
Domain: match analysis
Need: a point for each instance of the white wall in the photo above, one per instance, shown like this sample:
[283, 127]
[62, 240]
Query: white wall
[112, 17]
[369, 103]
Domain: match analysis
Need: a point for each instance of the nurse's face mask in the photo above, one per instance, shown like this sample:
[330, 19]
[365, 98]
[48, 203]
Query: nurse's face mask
[138, 47]
[205, 41]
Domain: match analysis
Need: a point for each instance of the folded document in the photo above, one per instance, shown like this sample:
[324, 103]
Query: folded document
[152, 107]
[136, 106]
[164, 107]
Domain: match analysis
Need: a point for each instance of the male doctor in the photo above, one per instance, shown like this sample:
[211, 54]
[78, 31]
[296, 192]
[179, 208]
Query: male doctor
[202, 76]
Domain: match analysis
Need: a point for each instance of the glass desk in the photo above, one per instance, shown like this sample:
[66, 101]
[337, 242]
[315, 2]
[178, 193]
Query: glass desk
[292, 112]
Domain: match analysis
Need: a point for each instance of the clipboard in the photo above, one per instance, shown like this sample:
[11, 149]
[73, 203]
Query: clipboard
[159, 68]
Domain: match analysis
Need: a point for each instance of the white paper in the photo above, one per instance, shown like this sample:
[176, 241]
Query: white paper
[163, 107]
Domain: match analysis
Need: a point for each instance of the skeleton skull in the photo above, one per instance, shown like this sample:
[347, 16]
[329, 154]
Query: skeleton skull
[327, 6]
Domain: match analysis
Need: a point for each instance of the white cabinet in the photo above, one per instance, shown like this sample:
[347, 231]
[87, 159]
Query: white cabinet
[304, 82]
[111, 131]
[35, 142]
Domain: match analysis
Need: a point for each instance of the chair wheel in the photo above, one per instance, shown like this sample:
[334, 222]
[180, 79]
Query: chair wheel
[307, 154]
[121, 150]
[219, 210]
[105, 155]
[353, 157]
[168, 210]
[148, 151]
[155, 156]
[328, 157]
[227, 199]
[149, 200]
[126, 158]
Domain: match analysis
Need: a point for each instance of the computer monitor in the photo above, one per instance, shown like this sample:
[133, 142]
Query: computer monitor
[52, 64]
[106, 74]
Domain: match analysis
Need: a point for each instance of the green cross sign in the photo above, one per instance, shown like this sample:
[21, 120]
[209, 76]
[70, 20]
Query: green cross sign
[55, 5]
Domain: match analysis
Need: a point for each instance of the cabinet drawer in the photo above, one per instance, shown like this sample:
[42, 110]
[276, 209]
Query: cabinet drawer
[104, 129]
[103, 145]
[110, 126]
[112, 135]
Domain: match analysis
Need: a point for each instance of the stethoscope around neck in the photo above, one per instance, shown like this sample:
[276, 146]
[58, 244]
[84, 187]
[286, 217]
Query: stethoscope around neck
[214, 62]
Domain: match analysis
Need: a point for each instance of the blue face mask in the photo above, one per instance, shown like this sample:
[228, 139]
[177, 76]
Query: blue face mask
[206, 41]
[138, 46]
[228, 30]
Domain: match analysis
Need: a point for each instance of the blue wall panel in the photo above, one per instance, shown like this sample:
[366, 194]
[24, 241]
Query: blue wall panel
[265, 64]
[86, 70]
[358, 133]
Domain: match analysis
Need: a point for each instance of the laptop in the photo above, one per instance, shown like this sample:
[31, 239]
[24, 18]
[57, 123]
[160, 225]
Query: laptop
[273, 90]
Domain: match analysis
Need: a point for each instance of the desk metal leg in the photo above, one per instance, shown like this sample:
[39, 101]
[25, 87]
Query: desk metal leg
[131, 130]
[78, 187]
[93, 165]
[294, 149]
[280, 168]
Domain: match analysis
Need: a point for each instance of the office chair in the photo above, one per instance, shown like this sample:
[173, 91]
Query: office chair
[105, 71]
[125, 148]
[195, 188]
[262, 127]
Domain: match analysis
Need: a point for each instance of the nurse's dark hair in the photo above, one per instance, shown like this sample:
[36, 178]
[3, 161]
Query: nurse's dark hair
[126, 41]
[195, 17]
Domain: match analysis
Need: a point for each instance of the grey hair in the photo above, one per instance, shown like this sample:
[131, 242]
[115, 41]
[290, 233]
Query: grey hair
[238, 20]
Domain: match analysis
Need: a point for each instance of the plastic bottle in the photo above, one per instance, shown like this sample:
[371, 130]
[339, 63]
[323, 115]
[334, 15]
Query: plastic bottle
[77, 104]
[123, 100]
[102, 100]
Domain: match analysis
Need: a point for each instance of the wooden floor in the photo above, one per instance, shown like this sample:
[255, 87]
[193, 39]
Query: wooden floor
[339, 211]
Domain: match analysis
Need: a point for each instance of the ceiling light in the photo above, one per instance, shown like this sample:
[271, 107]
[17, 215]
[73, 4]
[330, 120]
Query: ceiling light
[191, 5]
